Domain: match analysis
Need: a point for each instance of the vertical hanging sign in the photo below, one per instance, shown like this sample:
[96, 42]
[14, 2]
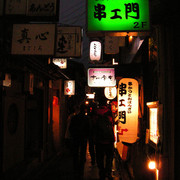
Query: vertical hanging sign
[68, 42]
[128, 110]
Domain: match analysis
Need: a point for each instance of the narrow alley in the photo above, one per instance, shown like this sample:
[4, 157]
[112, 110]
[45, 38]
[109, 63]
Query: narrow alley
[99, 71]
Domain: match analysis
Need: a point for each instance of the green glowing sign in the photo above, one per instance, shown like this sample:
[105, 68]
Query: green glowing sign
[118, 15]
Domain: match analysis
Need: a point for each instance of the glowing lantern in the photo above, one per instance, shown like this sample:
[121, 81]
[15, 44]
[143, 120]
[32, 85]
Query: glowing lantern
[128, 109]
[61, 63]
[110, 92]
[69, 87]
[152, 165]
[95, 51]
[86, 102]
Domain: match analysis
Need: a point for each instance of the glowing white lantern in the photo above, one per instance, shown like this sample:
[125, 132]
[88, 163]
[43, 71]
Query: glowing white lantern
[95, 51]
[128, 95]
[69, 87]
[60, 62]
[110, 92]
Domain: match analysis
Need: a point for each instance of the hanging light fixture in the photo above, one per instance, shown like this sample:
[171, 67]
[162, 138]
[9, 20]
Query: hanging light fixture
[95, 50]
[110, 92]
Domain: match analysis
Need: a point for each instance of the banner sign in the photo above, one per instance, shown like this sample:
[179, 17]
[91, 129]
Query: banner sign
[118, 15]
[128, 95]
[101, 77]
[33, 39]
[68, 43]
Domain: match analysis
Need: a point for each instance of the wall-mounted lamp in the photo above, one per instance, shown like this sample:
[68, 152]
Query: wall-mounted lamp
[152, 165]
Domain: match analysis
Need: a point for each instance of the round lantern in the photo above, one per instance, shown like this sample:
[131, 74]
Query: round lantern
[110, 92]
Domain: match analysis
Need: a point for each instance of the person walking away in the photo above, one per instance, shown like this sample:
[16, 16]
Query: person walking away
[104, 140]
[79, 128]
[92, 118]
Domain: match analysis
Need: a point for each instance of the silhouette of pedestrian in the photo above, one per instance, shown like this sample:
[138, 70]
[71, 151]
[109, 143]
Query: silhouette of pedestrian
[79, 129]
[92, 118]
[104, 140]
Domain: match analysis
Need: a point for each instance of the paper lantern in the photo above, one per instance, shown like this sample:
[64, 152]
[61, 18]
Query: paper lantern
[95, 50]
[128, 95]
[69, 87]
[110, 92]
[60, 62]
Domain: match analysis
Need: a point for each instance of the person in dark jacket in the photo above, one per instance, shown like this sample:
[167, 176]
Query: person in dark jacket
[79, 129]
[104, 139]
[92, 118]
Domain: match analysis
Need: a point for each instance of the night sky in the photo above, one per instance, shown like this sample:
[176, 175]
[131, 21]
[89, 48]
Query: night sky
[73, 12]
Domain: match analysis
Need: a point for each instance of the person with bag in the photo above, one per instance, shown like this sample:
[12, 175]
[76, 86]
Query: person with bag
[104, 139]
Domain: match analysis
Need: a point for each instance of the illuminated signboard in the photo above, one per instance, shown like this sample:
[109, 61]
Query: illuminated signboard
[128, 96]
[118, 15]
[154, 115]
[101, 77]
[69, 87]
[90, 96]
